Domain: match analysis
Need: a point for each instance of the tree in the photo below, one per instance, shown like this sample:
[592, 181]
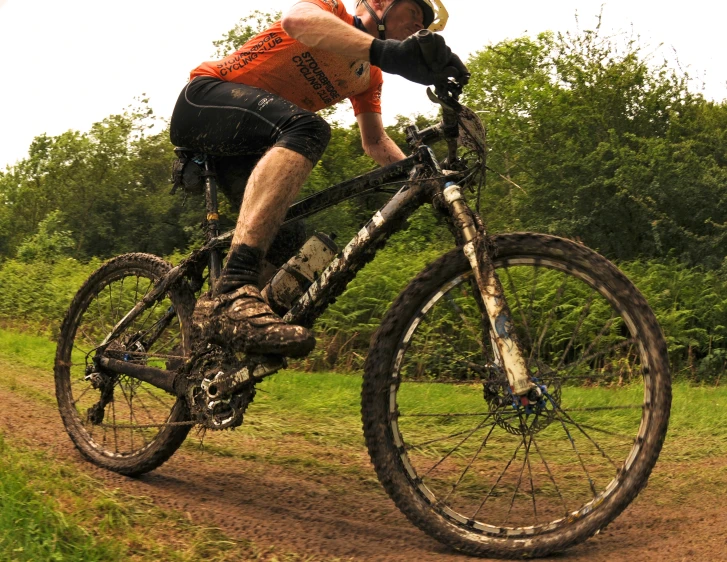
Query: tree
[50, 243]
[245, 29]
[607, 147]
[110, 183]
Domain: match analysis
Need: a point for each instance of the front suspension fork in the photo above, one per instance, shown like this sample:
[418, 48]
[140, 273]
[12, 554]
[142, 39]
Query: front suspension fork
[502, 331]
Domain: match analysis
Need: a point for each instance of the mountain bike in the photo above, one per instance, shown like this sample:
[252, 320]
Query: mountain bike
[515, 396]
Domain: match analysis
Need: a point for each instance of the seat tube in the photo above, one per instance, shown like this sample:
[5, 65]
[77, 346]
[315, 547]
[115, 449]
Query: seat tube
[212, 224]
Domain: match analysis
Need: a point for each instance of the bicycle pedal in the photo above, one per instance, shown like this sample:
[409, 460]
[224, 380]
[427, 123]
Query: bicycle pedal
[263, 365]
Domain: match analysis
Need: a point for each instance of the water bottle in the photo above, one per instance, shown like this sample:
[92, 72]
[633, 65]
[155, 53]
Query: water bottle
[299, 273]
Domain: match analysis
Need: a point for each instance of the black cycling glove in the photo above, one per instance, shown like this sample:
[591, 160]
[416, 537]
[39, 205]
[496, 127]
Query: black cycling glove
[423, 60]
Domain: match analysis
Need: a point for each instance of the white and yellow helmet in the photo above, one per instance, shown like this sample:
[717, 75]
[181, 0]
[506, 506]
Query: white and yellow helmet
[435, 15]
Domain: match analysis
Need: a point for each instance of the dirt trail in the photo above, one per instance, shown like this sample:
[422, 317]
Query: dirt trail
[274, 506]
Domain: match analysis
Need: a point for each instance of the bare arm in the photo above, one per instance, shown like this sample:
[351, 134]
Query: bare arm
[376, 143]
[315, 27]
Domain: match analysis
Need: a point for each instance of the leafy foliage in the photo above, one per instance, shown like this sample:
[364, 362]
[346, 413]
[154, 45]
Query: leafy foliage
[49, 243]
[106, 189]
[608, 147]
[245, 29]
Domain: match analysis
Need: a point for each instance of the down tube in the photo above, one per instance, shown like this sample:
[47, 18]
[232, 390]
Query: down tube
[355, 255]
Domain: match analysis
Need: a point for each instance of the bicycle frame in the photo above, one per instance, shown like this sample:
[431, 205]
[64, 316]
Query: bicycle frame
[423, 176]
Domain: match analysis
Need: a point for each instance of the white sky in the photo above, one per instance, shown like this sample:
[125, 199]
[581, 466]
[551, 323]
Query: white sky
[70, 63]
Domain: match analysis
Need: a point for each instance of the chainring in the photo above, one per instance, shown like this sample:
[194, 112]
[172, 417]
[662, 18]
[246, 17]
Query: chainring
[216, 413]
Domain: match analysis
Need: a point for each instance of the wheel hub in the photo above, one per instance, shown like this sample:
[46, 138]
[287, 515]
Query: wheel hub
[522, 415]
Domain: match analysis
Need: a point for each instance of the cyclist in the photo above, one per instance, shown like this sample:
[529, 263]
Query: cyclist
[256, 108]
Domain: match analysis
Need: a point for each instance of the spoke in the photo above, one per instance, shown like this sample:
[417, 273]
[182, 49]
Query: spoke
[157, 332]
[121, 300]
[581, 318]
[536, 274]
[98, 309]
[150, 312]
[452, 382]
[87, 389]
[593, 375]
[132, 417]
[575, 449]
[520, 308]
[497, 481]
[479, 414]
[438, 439]
[120, 386]
[116, 437]
[530, 473]
[583, 431]
[474, 458]
[133, 421]
[456, 447]
[585, 357]
[145, 356]
[82, 329]
[593, 428]
[475, 332]
[428, 320]
[535, 351]
[136, 290]
[603, 408]
[149, 425]
[550, 475]
[520, 476]
[614, 347]
[111, 303]
[146, 410]
[100, 321]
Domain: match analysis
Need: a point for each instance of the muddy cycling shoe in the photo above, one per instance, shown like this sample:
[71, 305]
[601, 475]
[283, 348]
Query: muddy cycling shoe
[243, 320]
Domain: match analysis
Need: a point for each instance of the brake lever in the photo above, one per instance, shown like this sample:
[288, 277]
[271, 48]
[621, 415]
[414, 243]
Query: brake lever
[447, 95]
[450, 110]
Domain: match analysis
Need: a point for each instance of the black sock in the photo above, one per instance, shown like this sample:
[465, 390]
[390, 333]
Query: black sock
[242, 268]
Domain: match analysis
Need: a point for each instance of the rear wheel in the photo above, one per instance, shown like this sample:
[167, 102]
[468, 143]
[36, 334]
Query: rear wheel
[116, 421]
[481, 471]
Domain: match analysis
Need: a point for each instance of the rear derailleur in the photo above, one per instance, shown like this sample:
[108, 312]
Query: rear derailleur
[225, 385]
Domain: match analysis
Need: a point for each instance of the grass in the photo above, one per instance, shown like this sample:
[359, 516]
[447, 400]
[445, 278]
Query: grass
[51, 511]
[27, 349]
[310, 424]
[324, 408]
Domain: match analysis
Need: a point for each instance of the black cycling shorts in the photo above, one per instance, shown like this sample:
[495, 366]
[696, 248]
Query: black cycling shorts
[227, 119]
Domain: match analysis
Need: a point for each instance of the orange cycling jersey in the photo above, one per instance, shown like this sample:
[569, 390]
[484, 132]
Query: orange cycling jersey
[308, 77]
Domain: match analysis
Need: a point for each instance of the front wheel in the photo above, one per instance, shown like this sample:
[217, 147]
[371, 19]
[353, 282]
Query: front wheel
[478, 469]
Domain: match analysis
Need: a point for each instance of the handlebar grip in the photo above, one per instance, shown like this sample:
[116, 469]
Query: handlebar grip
[425, 38]
[428, 46]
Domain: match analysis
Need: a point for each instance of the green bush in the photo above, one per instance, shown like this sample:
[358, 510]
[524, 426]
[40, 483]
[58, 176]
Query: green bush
[690, 303]
[37, 294]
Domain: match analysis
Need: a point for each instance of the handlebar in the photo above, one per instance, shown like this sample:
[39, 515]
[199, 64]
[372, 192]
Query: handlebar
[448, 90]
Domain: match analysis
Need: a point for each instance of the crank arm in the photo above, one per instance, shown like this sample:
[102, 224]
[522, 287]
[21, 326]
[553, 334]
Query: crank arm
[254, 370]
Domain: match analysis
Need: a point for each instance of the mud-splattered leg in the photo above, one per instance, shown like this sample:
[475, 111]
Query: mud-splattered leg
[271, 189]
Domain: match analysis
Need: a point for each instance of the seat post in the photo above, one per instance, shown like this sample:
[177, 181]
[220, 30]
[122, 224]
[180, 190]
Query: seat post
[212, 223]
